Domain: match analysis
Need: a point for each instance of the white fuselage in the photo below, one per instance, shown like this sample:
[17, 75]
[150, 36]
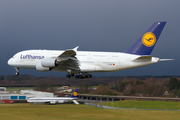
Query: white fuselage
[52, 100]
[89, 61]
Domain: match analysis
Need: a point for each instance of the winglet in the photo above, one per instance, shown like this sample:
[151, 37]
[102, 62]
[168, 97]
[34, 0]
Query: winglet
[75, 49]
[145, 44]
[69, 52]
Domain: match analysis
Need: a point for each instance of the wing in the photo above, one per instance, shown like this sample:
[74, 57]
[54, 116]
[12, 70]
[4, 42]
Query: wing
[69, 53]
[68, 60]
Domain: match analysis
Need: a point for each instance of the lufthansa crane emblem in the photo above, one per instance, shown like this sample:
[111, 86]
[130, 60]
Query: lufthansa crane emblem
[149, 39]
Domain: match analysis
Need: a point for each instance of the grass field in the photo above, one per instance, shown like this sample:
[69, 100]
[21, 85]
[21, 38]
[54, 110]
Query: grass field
[78, 112]
[18, 88]
[145, 104]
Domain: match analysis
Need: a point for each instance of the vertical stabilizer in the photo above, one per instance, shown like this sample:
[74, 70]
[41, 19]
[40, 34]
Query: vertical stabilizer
[145, 44]
[75, 94]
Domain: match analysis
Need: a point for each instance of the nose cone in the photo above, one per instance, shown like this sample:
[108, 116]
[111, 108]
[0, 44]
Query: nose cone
[10, 62]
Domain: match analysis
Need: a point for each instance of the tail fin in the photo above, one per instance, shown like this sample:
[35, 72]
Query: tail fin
[75, 94]
[145, 44]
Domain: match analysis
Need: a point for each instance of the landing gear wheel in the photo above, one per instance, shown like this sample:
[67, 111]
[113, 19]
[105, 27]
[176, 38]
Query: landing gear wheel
[77, 76]
[17, 70]
[68, 75]
[83, 75]
[89, 76]
[72, 74]
[17, 73]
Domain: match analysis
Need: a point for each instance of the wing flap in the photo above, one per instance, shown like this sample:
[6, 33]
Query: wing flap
[72, 64]
[68, 60]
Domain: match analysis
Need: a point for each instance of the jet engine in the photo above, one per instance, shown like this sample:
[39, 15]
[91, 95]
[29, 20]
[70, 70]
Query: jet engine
[49, 62]
[39, 67]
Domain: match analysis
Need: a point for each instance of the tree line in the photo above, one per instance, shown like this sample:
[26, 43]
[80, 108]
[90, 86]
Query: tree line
[150, 86]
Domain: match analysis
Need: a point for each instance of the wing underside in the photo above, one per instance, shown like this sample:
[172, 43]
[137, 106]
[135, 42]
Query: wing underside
[71, 63]
[68, 61]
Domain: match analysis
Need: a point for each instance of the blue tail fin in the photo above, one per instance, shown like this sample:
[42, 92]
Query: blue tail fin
[75, 94]
[145, 44]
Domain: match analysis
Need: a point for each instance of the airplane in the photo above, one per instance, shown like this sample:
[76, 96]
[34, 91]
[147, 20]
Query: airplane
[54, 100]
[84, 62]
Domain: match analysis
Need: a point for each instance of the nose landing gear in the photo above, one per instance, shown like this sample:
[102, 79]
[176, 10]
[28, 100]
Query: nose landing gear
[17, 71]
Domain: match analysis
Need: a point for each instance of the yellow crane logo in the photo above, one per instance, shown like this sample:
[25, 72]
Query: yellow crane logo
[149, 39]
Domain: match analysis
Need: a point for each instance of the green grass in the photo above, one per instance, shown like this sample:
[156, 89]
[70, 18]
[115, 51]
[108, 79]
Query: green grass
[144, 104]
[78, 112]
[20, 88]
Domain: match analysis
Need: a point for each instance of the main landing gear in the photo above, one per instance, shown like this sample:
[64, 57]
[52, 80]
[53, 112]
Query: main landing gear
[83, 75]
[70, 75]
[80, 76]
[17, 71]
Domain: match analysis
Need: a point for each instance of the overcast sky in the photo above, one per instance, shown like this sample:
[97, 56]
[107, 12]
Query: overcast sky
[95, 25]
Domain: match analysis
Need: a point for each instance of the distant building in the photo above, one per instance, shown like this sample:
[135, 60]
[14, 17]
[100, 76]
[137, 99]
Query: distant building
[31, 93]
[12, 97]
[24, 95]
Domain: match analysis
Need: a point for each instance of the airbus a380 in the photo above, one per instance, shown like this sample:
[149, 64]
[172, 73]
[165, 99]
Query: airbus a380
[82, 63]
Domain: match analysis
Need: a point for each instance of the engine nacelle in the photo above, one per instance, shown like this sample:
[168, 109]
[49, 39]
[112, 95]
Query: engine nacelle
[49, 62]
[39, 67]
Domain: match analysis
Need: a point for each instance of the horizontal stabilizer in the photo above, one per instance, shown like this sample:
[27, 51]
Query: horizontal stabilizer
[143, 58]
[75, 102]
